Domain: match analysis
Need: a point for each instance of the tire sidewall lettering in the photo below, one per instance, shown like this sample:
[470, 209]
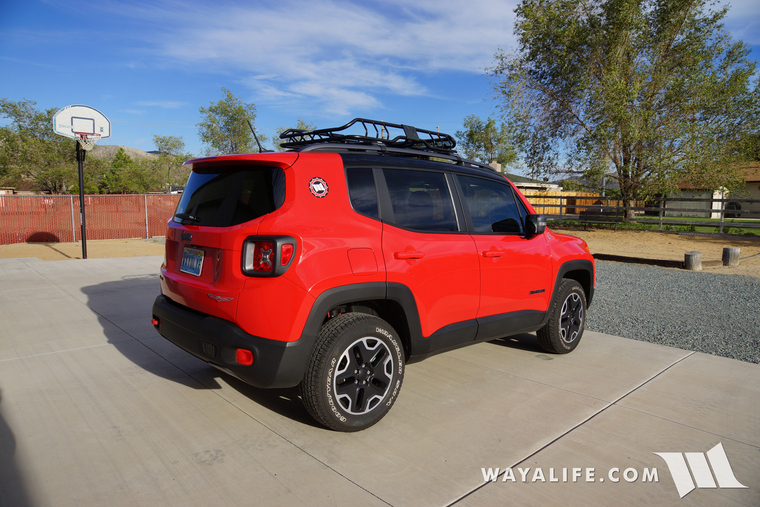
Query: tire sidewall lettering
[330, 400]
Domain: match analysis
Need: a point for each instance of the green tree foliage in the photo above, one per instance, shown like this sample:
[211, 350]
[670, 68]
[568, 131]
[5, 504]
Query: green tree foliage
[224, 126]
[127, 176]
[486, 142]
[300, 125]
[172, 154]
[653, 92]
[30, 150]
[121, 160]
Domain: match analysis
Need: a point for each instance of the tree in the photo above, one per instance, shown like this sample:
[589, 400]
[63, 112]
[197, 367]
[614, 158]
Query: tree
[486, 141]
[224, 128]
[169, 145]
[300, 125]
[121, 160]
[653, 93]
[30, 150]
[172, 154]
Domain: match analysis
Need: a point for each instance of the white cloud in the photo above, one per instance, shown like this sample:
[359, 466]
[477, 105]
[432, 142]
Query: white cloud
[339, 55]
[743, 20]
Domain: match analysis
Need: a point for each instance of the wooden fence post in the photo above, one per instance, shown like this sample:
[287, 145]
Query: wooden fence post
[662, 212]
[730, 257]
[693, 261]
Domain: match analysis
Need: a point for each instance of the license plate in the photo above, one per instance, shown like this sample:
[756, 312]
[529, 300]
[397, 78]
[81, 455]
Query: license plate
[192, 261]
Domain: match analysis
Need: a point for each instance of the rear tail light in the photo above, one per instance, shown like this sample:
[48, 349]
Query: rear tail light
[267, 256]
[263, 256]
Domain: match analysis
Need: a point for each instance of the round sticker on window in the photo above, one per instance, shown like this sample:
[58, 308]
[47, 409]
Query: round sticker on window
[318, 187]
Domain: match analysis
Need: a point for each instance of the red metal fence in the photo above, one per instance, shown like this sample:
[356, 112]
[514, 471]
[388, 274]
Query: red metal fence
[55, 218]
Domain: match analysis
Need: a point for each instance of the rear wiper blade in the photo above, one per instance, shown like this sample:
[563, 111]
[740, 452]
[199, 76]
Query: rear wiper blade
[187, 216]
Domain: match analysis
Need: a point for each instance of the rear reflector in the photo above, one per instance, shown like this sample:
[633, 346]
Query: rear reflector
[244, 357]
[154, 321]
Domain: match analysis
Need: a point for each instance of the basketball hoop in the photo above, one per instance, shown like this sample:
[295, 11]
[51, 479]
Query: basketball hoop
[87, 140]
[87, 125]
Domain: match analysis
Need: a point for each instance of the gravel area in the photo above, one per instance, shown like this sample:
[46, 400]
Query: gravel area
[706, 312]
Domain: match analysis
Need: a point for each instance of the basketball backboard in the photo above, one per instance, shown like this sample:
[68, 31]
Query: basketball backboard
[79, 122]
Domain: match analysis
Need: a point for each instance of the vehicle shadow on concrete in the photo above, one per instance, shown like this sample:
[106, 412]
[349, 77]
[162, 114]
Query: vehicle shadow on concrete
[124, 308]
[523, 341]
[12, 490]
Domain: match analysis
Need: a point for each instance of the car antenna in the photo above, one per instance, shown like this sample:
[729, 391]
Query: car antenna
[261, 148]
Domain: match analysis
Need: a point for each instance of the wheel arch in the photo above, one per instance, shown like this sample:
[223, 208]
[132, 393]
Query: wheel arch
[394, 303]
[582, 271]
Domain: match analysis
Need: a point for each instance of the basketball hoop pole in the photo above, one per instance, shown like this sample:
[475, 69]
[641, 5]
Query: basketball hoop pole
[80, 162]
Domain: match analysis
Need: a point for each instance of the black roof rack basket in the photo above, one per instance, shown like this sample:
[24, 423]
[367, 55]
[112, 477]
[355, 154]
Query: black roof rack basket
[376, 133]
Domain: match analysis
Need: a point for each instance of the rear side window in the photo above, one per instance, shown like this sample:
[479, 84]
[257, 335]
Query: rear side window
[361, 191]
[231, 198]
[492, 205]
[421, 200]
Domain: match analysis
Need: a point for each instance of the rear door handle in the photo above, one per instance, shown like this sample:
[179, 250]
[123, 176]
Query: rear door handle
[493, 253]
[408, 254]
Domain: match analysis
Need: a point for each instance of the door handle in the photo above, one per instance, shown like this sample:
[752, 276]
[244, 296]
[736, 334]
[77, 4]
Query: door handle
[408, 254]
[493, 253]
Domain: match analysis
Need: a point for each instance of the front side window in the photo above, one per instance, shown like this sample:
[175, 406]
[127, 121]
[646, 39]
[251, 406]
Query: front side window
[231, 198]
[492, 205]
[421, 200]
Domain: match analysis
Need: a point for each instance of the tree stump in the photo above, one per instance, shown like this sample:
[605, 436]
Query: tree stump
[730, 257]
[693, 261]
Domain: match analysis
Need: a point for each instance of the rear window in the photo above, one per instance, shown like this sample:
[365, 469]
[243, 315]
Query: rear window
[231, 198]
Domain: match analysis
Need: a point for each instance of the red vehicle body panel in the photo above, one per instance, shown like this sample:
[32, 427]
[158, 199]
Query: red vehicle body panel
[440, 269]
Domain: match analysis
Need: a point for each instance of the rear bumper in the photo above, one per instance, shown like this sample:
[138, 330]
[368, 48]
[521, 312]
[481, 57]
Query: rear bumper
[215, 341]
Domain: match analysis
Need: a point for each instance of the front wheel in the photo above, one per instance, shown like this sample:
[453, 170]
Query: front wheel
[567, 319]
[355, 373]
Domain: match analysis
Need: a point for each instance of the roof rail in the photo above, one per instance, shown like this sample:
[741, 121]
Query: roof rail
[375, 133]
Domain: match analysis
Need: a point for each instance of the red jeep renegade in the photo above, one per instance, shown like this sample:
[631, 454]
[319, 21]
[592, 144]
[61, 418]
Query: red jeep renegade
[335, 264]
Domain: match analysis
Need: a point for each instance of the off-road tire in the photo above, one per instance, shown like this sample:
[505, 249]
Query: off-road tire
[355, 373]
[567, 319]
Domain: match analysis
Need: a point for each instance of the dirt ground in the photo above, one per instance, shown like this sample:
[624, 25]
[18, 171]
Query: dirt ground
[644, 244]
[657, 245]
[98, 249]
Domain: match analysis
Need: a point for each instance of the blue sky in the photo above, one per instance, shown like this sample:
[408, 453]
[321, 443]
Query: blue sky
[149, 66]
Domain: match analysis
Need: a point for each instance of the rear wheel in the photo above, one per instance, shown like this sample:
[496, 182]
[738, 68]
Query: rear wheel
[355, 373]
[567, 319]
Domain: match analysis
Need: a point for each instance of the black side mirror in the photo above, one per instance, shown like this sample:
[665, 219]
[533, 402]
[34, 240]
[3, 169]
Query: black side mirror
[535, 225]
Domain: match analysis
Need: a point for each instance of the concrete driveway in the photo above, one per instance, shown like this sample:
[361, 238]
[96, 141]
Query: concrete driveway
[96, 409]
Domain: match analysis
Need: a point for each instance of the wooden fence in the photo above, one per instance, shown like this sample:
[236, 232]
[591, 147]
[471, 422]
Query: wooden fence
[593, 208]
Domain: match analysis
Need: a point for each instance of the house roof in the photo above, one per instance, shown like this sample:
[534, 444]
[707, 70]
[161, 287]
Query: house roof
[750, 172]
[514, 178]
